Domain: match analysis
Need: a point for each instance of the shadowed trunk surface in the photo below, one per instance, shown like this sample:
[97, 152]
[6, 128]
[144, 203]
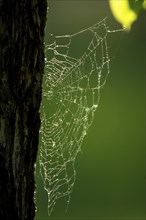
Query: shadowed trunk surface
[22, 25]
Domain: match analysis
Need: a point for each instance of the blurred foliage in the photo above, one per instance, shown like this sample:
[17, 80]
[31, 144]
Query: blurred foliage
[127, 11]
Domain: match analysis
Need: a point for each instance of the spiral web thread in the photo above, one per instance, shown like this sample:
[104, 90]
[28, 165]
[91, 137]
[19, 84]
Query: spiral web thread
[76, 69]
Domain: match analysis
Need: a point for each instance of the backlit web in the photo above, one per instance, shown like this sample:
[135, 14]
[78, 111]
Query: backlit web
[76, 69]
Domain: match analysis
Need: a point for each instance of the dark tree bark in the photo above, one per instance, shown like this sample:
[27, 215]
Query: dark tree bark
[22, 24]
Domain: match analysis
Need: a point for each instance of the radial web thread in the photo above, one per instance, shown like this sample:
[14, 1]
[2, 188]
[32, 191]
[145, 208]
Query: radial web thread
[76, 69]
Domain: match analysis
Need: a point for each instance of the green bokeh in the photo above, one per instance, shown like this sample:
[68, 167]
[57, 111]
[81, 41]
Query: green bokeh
[110, 180]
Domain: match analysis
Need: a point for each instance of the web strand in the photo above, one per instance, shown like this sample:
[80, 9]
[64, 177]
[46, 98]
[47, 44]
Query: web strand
[76, 70]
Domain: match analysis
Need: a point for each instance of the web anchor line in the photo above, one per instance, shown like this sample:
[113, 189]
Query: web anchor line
[77, 67]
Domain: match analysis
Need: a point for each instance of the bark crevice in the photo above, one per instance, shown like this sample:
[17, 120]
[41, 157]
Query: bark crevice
[22, 24]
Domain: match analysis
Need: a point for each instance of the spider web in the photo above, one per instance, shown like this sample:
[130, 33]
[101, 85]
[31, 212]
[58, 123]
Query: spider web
[76, 69]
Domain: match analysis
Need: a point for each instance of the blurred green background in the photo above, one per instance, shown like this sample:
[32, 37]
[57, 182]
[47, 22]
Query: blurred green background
[110, 180]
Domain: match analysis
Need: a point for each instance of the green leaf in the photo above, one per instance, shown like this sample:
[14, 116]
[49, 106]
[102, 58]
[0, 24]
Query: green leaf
[126, 11]
[144, 4]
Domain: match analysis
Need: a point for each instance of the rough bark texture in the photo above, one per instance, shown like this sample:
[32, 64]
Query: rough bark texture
[22, 25]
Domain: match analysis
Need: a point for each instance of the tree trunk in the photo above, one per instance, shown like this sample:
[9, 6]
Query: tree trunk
[22, 24]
